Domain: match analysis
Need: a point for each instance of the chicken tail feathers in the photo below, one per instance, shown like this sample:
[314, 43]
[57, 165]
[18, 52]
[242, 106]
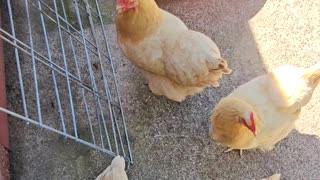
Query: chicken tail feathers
[313, 74]
[223, 65]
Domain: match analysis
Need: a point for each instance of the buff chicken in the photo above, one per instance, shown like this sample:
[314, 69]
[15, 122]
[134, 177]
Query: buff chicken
[177, 62]
[273, 177]
[263, 111]
[116, 171]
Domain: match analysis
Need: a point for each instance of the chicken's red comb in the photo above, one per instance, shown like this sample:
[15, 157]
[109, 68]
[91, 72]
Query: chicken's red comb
[121, 2]
[126, 5]
[253, 124]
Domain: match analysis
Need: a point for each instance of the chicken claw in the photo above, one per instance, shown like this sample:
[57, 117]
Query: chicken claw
[230, 149]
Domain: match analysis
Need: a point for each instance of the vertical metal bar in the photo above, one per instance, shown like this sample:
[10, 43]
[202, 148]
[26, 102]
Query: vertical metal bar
[52, 71]
[78, 72]
[34, 65]
[16, 52]
[67, 71]
[104, 76]
[119, 133]
[116, 84]
[90, 68]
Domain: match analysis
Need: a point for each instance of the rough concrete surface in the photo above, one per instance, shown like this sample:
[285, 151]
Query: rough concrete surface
[169, 140]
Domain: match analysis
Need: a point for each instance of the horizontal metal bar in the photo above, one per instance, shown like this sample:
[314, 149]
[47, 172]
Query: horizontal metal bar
[63, 134]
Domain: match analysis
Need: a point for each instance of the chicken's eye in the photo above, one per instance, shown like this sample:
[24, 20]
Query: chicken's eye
[243, 122]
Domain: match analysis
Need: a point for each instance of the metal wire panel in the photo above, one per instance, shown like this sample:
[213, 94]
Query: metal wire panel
[66, 75]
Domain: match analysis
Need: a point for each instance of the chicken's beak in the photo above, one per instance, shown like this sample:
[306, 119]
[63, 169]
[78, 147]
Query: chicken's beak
[224, 67]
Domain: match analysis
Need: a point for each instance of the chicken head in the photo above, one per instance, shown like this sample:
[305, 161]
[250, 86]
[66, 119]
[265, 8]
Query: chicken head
[233, 123]
[126, 5]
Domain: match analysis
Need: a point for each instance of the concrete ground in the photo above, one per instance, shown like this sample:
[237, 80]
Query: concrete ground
[169, 140]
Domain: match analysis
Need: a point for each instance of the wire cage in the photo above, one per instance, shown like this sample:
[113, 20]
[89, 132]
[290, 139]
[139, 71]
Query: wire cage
[65, 71]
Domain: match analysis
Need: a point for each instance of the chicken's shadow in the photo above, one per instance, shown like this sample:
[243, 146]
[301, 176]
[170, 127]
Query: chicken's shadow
[293, 155]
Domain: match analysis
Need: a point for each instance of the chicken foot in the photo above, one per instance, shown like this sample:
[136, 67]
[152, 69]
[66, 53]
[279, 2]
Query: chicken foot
[230, 149]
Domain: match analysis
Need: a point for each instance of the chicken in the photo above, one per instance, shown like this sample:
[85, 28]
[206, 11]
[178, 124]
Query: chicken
[176, 62]
[273, 177]
[116, 171]
[263, 111]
